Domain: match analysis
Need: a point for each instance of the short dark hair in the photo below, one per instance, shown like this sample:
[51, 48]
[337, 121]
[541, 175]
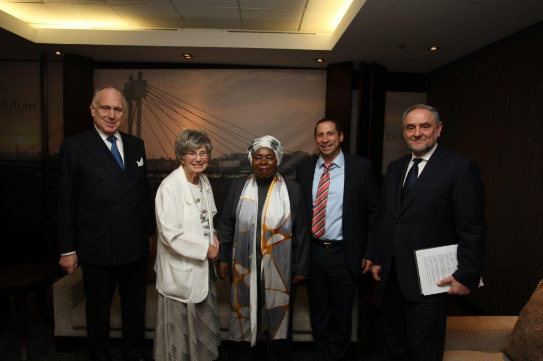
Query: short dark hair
[324, 120]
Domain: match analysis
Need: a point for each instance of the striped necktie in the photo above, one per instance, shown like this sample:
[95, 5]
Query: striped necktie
[319, 207]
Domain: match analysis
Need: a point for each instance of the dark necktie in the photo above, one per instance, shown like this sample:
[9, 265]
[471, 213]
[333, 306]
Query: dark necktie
[411, 177]
[115, 151]
[319, 207]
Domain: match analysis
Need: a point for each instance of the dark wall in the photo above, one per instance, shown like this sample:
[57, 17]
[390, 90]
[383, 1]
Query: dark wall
[491, 102]
[339, 80]
[78, 85]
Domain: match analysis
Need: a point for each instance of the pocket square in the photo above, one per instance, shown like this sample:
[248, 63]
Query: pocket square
[140, 162]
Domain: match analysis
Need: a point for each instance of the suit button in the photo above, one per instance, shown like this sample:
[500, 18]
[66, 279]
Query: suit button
[399, 222]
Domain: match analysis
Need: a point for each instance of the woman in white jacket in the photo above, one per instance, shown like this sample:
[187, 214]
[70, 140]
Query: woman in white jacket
[187, 324]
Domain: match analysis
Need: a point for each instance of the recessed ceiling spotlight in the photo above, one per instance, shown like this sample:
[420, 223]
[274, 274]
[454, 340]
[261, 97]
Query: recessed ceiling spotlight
[187, 56]
[319, 60]
[434, 48]
[58, 53]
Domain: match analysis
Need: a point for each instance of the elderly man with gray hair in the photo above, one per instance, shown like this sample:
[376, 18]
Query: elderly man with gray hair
[105, 220]
[432, 197]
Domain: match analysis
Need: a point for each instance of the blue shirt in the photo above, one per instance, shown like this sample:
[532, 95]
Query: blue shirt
[334, 204]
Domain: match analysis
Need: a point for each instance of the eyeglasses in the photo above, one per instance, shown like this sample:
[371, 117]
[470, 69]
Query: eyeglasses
[104, 109]
[202, 155]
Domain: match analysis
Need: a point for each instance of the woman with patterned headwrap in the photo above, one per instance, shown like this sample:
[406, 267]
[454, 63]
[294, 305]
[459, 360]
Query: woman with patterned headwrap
[264, 247]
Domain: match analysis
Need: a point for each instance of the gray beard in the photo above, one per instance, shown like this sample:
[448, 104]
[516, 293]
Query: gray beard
[423, 151]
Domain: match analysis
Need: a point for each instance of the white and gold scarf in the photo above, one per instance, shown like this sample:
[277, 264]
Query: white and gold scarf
[276, 246]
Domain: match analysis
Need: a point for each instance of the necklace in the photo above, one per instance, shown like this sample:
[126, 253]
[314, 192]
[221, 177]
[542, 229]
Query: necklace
[198, 200]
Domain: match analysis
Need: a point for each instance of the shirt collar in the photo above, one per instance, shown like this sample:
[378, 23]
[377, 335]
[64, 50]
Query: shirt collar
[426, 156]
[339, 161]
[104, 136]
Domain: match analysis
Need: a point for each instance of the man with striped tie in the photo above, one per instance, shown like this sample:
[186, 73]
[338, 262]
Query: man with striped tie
[343, 198]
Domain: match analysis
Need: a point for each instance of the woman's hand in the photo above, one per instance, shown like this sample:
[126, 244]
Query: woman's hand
[223, 270]
[213, 250]
[298, 279]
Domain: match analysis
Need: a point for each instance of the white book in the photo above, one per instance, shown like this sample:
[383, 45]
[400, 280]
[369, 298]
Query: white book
[435, 264]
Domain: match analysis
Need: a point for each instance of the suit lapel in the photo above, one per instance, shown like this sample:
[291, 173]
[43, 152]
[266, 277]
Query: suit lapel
[129, 158]
[399, 183]
[309, 175]
[99, 151]
[347, 186]
[430, 170]
[129, 154]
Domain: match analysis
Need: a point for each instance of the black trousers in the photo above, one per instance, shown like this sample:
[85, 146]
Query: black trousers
[100, 283]
[413, 331]
[331, 286]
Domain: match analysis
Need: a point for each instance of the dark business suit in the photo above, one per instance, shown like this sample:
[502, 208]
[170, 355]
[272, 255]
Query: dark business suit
[105, 215]
[331, 285]
[445, 206]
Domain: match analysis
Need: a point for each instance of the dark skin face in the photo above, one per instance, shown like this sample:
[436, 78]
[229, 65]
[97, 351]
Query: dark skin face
[264, 163]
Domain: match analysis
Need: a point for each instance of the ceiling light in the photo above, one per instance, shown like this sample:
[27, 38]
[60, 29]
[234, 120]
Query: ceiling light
[187, 56]
[319, 60]
[434, 48]
[58, 53]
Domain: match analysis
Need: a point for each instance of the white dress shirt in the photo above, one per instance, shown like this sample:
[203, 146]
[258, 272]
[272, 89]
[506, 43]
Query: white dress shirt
[119, 142]
[333, 228]
[425, 158]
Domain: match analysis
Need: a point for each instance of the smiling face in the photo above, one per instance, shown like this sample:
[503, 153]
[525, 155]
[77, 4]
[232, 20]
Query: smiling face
[108, 113]
[328, 140]
[264, 163]
[421, 131]
[195, 162]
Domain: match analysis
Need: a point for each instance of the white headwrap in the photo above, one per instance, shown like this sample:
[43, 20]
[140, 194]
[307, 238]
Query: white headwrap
[266, 141]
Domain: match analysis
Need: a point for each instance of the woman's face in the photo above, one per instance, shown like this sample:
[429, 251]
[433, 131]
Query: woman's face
[195, 161]
[264, 163]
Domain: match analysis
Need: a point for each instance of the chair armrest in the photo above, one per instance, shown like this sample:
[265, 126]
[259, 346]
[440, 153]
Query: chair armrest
[478, 333]
[68, 292]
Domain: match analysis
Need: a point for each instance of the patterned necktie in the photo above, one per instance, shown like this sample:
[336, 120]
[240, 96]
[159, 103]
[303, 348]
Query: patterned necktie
[115, 151]
[319, 207]
[411, 177]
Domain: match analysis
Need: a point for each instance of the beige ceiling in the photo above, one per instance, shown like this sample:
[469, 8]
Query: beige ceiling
[393, 33]
[180, 22]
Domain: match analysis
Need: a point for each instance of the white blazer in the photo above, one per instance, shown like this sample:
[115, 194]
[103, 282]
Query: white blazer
[181, 265]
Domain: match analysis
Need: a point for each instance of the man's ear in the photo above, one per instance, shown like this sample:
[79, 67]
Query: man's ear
[439, 128]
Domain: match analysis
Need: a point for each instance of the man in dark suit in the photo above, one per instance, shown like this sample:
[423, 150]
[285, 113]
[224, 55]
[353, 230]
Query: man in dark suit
[343, 201]
[432, 197]
[104, 221]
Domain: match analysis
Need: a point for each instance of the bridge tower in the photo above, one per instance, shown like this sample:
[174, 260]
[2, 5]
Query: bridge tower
[134, 91]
